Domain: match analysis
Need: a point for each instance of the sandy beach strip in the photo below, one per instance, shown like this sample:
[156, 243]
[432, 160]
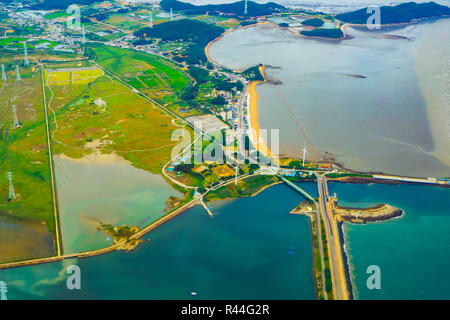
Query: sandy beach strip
[253, 123]
[252, 102]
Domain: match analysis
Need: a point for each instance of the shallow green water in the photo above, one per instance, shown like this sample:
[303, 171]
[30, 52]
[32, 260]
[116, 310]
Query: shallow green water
[91, 192]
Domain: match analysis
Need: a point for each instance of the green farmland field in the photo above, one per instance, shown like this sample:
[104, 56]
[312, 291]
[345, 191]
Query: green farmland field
[24, 152]
[148, 73]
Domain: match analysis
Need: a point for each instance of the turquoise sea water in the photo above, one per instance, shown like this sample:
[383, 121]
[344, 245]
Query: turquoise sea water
[413, 252]
[252, 249]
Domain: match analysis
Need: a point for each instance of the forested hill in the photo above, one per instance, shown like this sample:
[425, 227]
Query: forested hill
[197, 33]
[254, 9]
[184, 29]
[402, 13]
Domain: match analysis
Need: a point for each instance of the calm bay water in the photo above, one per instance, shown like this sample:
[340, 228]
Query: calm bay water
[105, 189]
[383, 122]
[252, 249]
[413, 252]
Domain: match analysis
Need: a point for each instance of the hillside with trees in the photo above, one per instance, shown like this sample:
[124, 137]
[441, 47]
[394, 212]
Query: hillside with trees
[197, 33]
[324, 33]
[253, 74]
[316, 22]
[402, 13]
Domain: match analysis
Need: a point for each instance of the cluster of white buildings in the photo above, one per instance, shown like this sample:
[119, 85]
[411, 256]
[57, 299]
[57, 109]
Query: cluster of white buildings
[51, 30]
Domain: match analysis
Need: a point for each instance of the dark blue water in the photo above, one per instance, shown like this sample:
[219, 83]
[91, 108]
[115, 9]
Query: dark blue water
[252, 249]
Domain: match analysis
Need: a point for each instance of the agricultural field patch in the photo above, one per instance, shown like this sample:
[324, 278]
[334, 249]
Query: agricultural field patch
[148, 72]
[10, 58]
[56, 14]
[126, 22]
[65, 77]
[15, 41]
[223, 171]
[105, 116]
[24, 153]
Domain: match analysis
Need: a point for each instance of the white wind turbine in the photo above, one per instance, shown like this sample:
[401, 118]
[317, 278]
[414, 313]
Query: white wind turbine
[304, 153]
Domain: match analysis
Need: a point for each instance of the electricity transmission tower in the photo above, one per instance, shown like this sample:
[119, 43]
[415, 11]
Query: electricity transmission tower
[16, 121]
[12, 194]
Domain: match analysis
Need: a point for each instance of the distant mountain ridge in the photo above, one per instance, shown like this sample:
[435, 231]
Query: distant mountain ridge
[254, 9]
[402, 13]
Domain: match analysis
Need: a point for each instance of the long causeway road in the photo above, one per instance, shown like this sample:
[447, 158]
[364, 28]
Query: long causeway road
[341, 291]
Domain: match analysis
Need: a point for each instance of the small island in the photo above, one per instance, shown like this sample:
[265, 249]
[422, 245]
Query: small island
[172, 203]
[316, 22]
[379, 212]
[254, 73]
[355, 76]
[122, 235]
[306, 207]
[402, 13]
[324, 33]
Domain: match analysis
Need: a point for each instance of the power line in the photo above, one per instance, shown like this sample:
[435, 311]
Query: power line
[317, 154]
